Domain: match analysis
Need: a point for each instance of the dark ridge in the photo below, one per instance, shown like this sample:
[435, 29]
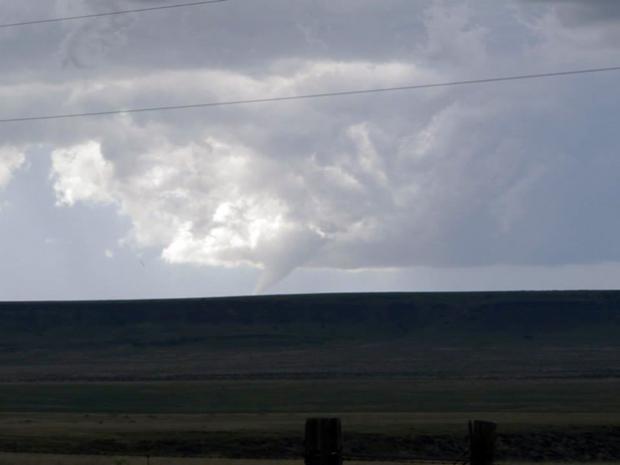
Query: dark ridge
[251, 319]
[322, 333]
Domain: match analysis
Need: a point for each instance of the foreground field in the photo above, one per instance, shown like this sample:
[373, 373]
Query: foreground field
[277, 436]
[318, 395]
[43, 459]
[33, 459]
[552, 419]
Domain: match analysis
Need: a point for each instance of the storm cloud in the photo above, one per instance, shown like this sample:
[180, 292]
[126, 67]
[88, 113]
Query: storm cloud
[507, 174]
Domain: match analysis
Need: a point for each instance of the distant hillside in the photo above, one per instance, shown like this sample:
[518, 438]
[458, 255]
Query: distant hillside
[309, 319]
[346, 333]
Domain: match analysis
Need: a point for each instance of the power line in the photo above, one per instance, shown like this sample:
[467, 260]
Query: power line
[110, 13]
[310, 96]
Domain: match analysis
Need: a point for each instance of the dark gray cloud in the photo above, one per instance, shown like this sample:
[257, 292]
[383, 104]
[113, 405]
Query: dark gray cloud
[580, 12]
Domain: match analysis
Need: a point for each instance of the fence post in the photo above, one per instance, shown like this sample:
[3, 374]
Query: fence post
[482, 436]
[323, 441]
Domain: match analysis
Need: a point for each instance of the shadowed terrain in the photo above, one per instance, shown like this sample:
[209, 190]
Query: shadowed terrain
[236, 377]
[515, 334]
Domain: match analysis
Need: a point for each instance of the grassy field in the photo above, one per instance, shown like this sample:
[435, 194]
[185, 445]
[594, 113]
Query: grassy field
[33, 459]
[549, 419]
[235, 378]
[43, 459]
[523, 435]
[336, 395]
[32, 425]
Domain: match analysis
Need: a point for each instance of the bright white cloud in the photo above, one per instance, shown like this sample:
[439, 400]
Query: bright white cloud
[81, 174]
[11, 159]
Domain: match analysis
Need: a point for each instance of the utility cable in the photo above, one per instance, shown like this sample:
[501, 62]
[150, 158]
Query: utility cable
[323, 95]
[110, 13]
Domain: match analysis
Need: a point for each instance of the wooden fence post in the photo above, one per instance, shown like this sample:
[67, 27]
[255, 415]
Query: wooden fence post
[323, 441]
[482, 436]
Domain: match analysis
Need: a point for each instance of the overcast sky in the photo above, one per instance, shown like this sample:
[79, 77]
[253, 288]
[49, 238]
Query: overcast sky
[509, 185]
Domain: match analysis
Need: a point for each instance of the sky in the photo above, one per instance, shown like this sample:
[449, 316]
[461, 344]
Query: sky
[501, 186]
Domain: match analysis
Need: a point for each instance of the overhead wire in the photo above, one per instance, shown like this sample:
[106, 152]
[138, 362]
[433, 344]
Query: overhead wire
[110, 13]
[322, 95]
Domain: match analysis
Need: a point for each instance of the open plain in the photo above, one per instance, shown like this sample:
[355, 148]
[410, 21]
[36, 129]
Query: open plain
[235, 378]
